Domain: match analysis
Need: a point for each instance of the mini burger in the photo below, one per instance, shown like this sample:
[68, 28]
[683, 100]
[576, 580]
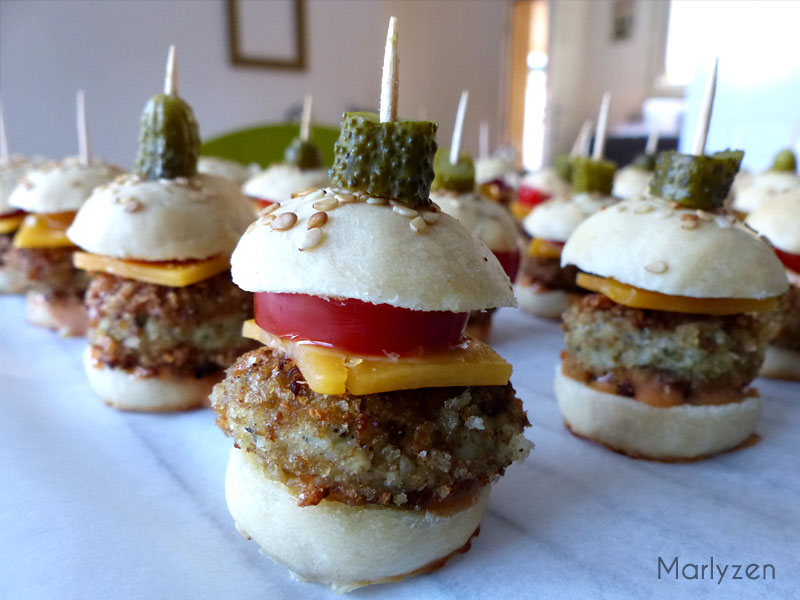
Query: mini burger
[659, 358]
[453, 190]
[546, 288]
[633, 180]
[756, 189]
[164, 315]
[40, 259]
[12, 170]
[302, 169]
[778, 219]
[367, 428]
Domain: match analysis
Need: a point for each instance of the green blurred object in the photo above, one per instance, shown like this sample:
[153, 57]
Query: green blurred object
[302, 154]
[589, 175]
[785, 161]
[563, 166]
[169, 140]
[459, 177]
[266, 144]
[644, 161]
[695, 181]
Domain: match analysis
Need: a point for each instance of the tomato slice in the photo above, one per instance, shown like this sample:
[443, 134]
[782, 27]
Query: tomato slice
[529, 196]
[789, 260]
[261, 202]
[509, 260]
[357, 326]
[13, 214]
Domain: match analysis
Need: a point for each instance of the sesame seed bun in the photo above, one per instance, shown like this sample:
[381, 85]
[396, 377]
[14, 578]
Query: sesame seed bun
[651, 245]
[751, 193]
[556, 219]
[64, 313]
[781, 363]
[10, 174]
[631, 182]
[126, 391]
[178, 219]
[278, 182]
[227, 169]
[339, 545]
[370, 252]
[60, 187]
[493, 224]
[685, 432]
[778, 219]
[550, 304]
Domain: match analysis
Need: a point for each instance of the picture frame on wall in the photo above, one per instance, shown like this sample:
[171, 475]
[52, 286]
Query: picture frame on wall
[267, 34]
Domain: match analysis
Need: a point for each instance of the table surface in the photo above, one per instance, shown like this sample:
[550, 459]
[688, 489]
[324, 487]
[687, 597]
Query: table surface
[97, 503]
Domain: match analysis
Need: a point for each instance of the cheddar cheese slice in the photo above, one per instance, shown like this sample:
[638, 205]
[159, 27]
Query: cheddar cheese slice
[170, 274]
[10, 223]
[330, 371]
[543, 249]
[44, 231]
[519, 210]
[627, 295]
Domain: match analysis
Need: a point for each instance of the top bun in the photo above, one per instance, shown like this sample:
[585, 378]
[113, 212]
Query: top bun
[778, 219]
[757, 189]
[278, 182]
[175, 219]
[491, 169]
[371, 253]
[61, 186]
[556, 219]
[631, 182]
[547, 181]
[652, 245]
[227, 169]
[493, 224]
[10, 174]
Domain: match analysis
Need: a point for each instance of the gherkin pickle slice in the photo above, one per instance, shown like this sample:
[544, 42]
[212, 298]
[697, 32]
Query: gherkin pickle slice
[393, 159]
[169, 142]
[644, 161]
[695, 181]
[785, 160]
[563, 166]
[302, 154]
[459, 177]
[589, 175]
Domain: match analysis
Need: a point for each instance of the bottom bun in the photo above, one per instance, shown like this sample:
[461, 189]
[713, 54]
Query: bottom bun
[64, 313]
[339, 545]
[781, 363]
[685, 432]
[550, 305]
[125, 391]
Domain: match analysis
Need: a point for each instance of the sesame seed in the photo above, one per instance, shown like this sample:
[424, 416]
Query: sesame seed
[418, 224]
[643, 210]
[326, 204]
[657, 267]
[347, 198]
[312, 239]
[269, 209]
[284, 221]
[318, 219]
[405, 211]
[304, 193]
[431, 217]
[704, 215]
[377, 201]
[689, 221]
[268, 219]
[314, 195]
[722, 222]
[132, 206]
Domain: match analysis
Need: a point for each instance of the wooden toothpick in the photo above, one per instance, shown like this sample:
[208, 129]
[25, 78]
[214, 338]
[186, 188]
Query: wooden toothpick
[483, 139]
[4, 156]
[455, 147]
[390, 82]
[84, 145]
[704, 116]
[305, 121]
[602, 126]
[581, 145]
[171, 77]
[652, 141]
